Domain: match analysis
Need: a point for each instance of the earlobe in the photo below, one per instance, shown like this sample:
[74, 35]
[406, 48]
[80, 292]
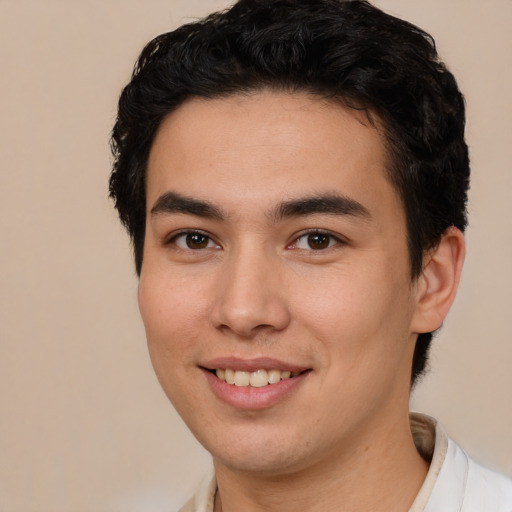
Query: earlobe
[437, 285]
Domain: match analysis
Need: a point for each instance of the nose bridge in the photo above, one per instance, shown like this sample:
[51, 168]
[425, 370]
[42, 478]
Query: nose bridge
[251, 294]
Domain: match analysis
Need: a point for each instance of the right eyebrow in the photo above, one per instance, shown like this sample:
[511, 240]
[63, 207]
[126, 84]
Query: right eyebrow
[172, 202]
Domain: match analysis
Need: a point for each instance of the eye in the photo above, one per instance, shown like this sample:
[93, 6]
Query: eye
[193, 240]
[316, 241]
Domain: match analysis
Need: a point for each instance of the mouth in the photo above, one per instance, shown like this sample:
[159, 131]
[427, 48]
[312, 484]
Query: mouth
[252, 384]
[255, 379]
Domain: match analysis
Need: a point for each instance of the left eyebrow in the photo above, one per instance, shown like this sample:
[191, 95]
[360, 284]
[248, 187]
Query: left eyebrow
[333, 204]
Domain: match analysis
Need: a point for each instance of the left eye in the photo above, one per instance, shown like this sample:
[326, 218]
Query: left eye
[194, 241]
[316, 241]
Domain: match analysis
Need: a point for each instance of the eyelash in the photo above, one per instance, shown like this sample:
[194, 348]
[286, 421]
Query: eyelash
[332, 240]
[190, 232]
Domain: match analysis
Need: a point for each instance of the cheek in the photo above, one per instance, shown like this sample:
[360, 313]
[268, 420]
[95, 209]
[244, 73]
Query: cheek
[362, 323]
[170, 313]
[337, 302]
[168, 302]
[360, 314]
[170, 316]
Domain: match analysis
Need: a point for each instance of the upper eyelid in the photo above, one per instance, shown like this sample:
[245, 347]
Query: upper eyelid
[167, 239]
[320, 231]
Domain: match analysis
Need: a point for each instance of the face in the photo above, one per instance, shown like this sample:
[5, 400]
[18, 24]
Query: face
[276, 257]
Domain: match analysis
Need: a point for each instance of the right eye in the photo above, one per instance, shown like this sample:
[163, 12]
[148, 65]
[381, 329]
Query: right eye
[193, 240]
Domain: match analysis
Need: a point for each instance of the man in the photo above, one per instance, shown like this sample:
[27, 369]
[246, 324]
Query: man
[294, 179]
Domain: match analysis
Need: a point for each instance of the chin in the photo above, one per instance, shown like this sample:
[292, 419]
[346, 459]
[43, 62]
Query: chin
[267, 454]
[259, 463]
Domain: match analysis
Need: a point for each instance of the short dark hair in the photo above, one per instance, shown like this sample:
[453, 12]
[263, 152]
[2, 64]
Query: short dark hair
[346, 51]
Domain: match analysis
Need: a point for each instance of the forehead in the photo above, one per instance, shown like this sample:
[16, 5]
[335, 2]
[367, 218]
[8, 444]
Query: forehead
[267, 146]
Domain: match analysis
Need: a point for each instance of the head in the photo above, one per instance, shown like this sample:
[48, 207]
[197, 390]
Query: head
[344, 52]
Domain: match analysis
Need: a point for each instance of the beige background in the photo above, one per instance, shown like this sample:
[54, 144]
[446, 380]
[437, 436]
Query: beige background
[84, 425]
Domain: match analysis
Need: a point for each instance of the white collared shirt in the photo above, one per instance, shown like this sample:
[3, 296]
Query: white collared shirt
[454, 482]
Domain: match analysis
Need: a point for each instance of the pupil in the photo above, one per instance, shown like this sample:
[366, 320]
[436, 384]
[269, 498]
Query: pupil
[318, 241]
[196, 241]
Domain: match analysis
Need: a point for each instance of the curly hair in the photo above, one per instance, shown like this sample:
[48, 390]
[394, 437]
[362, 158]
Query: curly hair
[346, 51]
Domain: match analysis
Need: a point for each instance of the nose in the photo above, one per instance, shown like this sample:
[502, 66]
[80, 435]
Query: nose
[251, 295]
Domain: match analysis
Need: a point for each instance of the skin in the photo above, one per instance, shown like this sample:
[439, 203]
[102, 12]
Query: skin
[254, 285]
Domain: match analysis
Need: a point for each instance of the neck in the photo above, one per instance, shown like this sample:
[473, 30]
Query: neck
[381, 471]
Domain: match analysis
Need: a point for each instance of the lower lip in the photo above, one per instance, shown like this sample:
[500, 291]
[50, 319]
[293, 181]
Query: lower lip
[249, 398]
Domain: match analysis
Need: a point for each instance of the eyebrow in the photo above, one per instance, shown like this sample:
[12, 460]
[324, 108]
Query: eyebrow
[334, 204]
[171, 202]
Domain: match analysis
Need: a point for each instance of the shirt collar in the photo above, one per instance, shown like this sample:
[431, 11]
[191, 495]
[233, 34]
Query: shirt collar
[431, 442]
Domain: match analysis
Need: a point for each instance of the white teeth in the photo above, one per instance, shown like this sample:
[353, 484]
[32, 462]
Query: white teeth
[274, 376]
[242, 379]
[230, 376]
[257, 379]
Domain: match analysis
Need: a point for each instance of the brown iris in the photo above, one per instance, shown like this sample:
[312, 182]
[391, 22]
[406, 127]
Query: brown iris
[196, 241]
[318, 241]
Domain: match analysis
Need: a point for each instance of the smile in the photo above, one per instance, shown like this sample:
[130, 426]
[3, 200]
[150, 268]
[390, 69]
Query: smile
[254, 384]
[255, 379]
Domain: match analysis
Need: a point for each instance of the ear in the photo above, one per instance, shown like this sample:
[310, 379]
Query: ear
[437, 285]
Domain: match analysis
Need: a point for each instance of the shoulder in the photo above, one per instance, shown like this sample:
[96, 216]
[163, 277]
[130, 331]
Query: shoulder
[470, 486]
[487, 490]
[455, 482]
[189, 506]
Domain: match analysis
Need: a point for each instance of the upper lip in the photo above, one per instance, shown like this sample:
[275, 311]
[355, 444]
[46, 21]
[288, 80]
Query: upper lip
[251, 365]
